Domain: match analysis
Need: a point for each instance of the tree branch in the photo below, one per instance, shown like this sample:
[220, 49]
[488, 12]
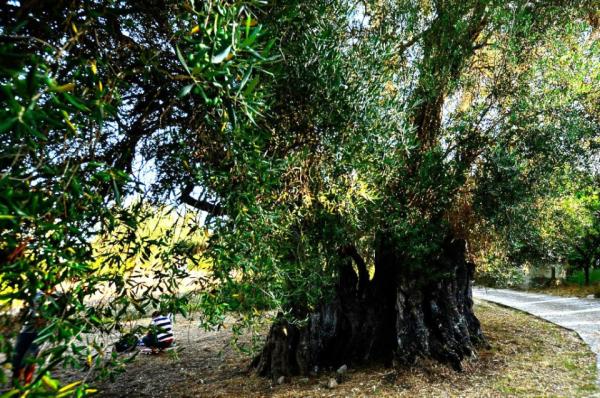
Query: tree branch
[212, 208]
[363, 274]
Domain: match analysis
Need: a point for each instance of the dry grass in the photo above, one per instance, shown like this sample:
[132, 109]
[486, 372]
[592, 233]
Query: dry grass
[569, 290]
[529, 358]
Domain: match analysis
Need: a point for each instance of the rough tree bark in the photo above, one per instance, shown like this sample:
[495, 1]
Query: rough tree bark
[391, 318]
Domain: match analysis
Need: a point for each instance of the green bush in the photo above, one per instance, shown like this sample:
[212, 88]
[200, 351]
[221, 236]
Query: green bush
[496, 273]
[578, 277]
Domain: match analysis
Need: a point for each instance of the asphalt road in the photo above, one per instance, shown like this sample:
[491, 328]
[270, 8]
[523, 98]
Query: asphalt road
[578, 314]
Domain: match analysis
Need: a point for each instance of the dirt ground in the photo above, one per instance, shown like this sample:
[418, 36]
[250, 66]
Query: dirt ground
[529, 357]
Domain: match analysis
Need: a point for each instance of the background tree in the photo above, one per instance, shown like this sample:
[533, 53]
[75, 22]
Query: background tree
[533, 197]
[574, 230]
[585, 251]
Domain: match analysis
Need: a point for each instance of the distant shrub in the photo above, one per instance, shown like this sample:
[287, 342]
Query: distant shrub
[496, 273]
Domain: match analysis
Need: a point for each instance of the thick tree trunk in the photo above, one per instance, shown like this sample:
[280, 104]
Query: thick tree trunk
[586, 271]
[391, 318]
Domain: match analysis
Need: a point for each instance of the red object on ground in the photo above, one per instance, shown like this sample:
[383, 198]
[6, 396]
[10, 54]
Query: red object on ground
[29, 372]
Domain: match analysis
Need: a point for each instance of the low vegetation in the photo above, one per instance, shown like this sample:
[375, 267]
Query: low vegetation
[569, 290]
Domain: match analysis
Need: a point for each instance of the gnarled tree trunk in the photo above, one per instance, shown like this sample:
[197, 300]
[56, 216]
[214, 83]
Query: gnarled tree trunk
[389, 318]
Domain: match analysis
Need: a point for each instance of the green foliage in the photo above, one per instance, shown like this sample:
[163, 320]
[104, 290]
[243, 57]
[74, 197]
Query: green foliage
[500, 274]
[362, 172]
[563, 226]
[72, 83]
[167, 235]
[532, 183]
[46, 386]
[579, 278]
[52, 199]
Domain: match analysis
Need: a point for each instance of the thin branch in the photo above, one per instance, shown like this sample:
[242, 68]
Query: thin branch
[363, 274]
[212, 208]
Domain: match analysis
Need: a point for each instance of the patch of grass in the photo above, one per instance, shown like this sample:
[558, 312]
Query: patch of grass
[538, 358]
[569, 290]
[529, 358]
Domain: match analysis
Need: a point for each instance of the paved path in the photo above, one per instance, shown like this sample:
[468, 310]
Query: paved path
[580, 315]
